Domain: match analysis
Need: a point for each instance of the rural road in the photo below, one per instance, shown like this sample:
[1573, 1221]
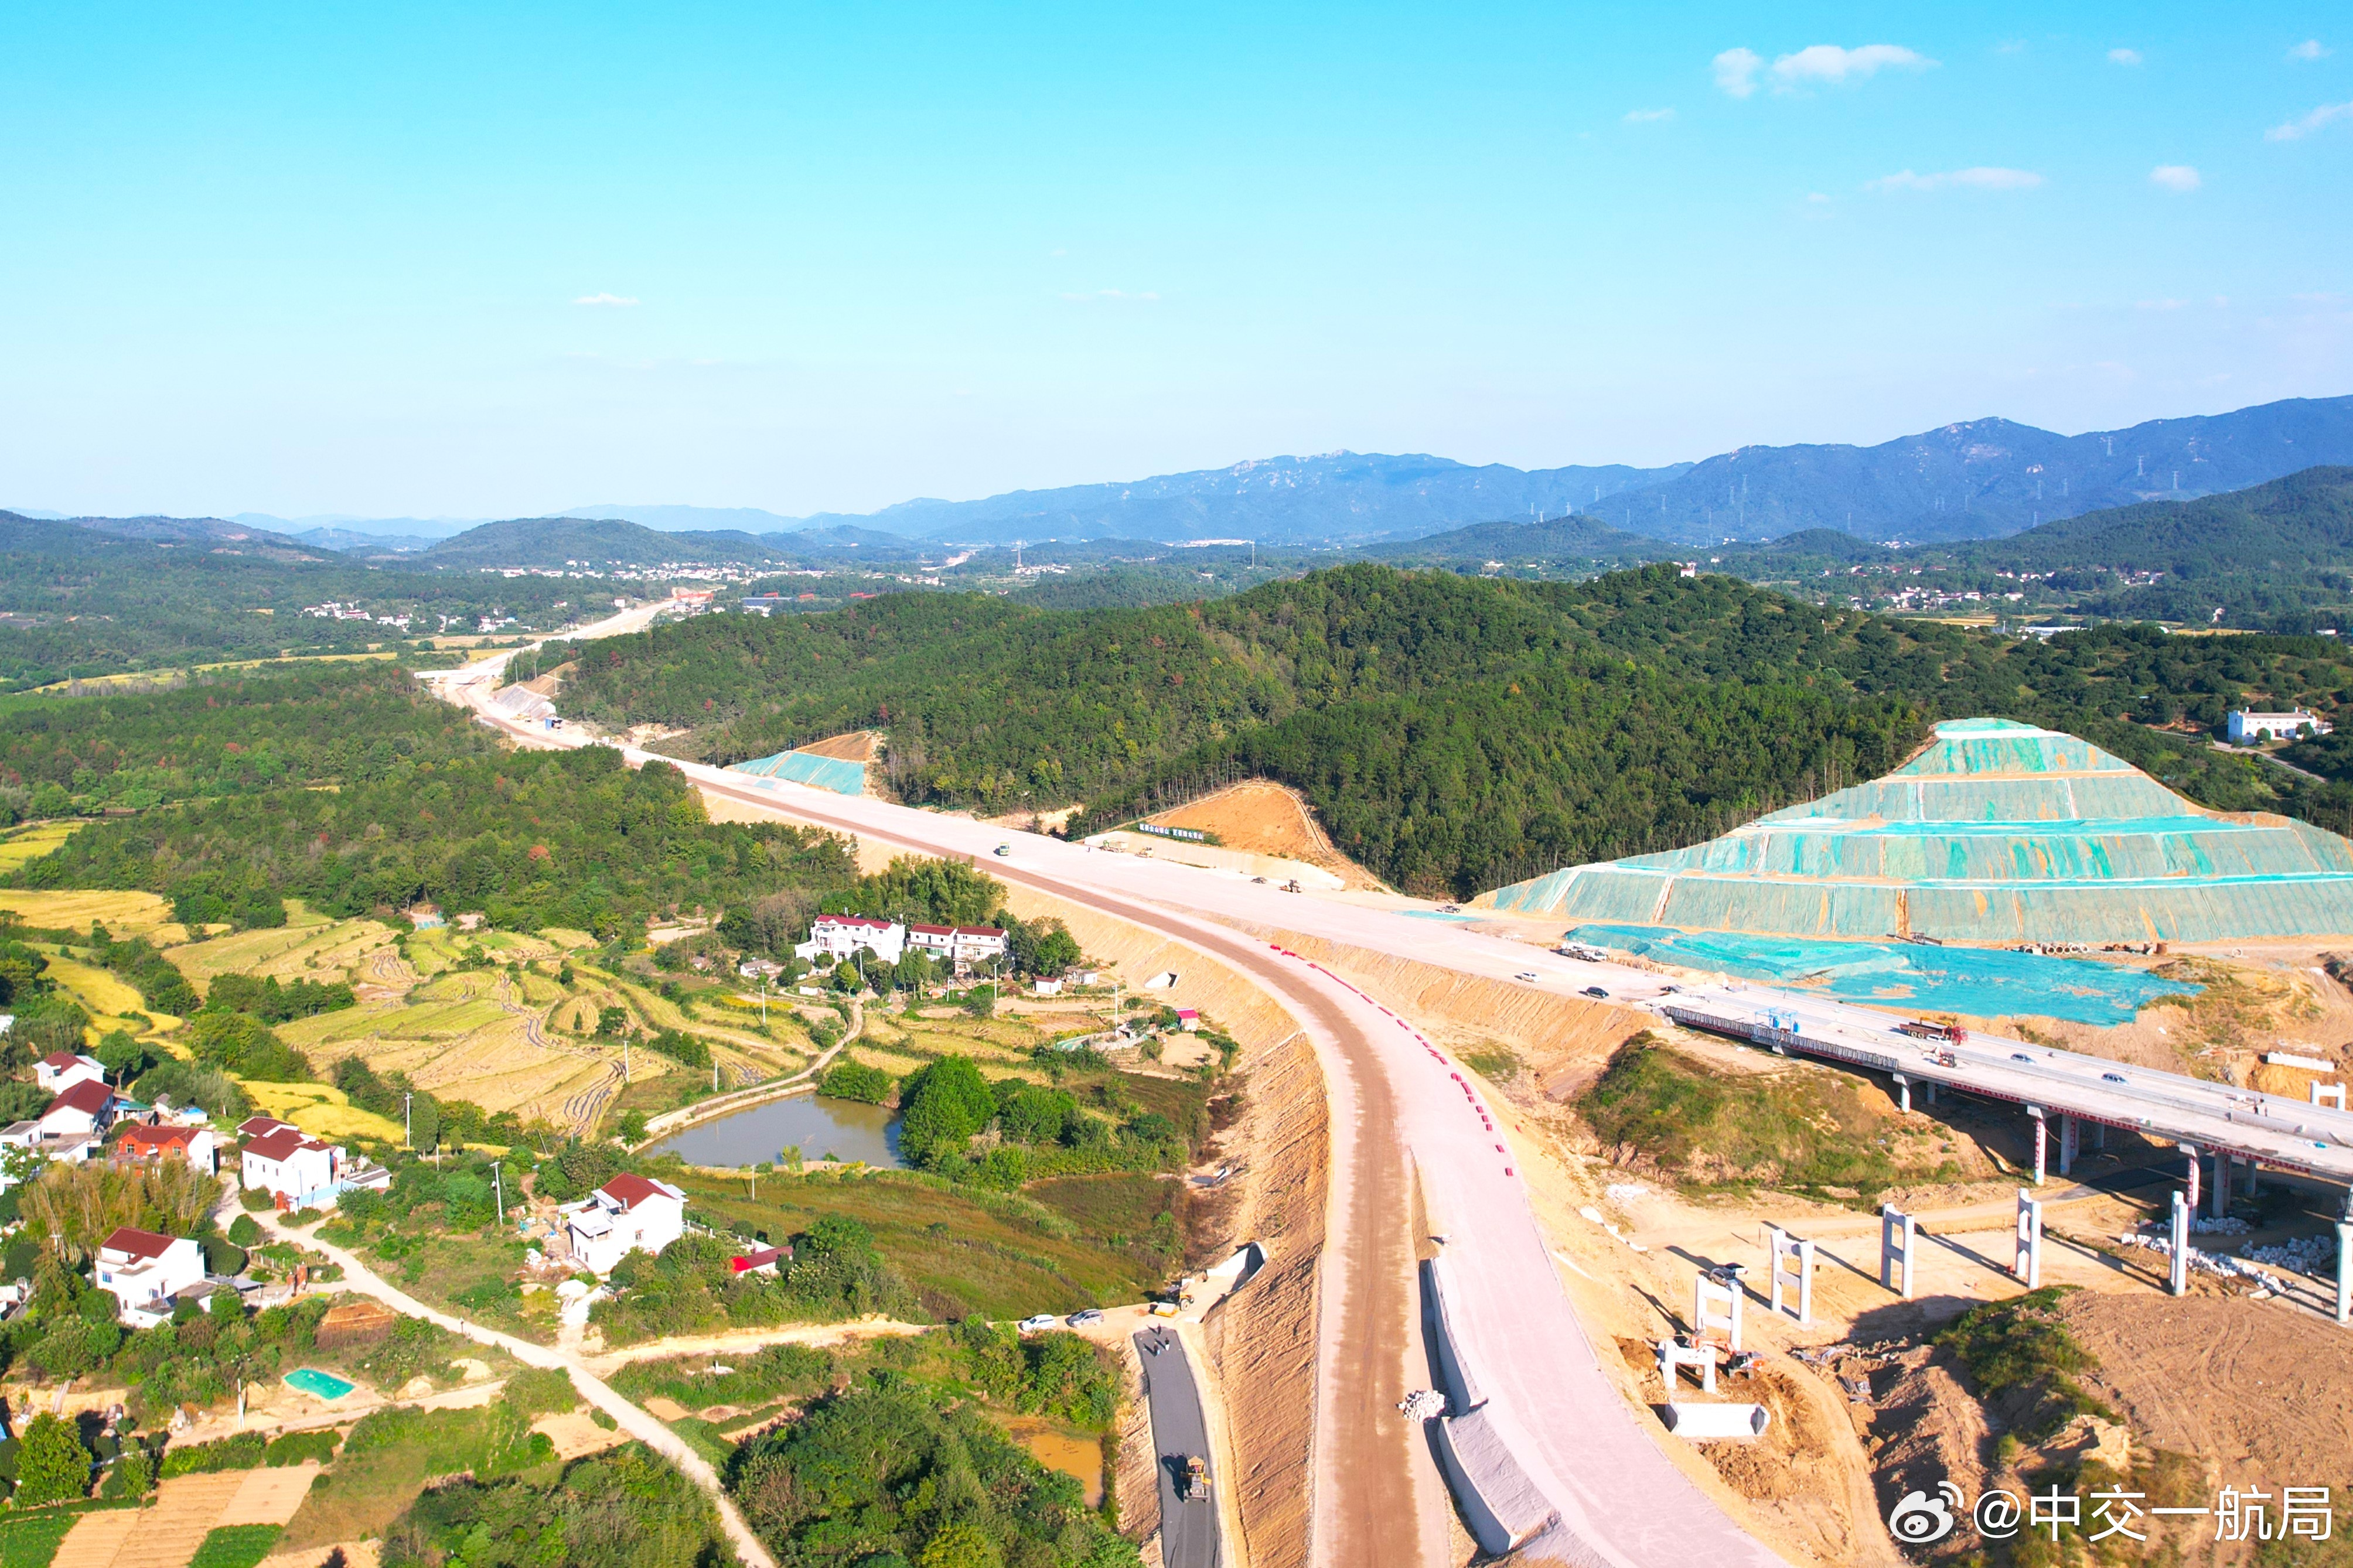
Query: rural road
[638, 1424]
[1188, 1525]
[1398, 1109]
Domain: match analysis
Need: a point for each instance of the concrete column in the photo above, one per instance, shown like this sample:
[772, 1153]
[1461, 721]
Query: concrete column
[2344, 1271]
[2254, 1177]
[2191, 1150]
[1784, 1250]
[2028, 1265]
[2100, 1136]
[1931, 1088]
[2178, 1280]
[2221, 1201]
[1903, 1092]
[1897, 1232]
[2071, 1135]
[2042, 1140]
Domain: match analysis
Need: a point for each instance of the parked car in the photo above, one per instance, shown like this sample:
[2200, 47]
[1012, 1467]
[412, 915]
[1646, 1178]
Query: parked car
[2114, 1078]
[1081, 1319]
[2021, 1057]
[1527, 975]
[1042, 1320]
[1005, 851]
[1595, 991]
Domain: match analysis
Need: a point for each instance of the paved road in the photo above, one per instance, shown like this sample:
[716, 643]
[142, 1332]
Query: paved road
[638, 1424]
[1188, 1526]
[1397, 1103]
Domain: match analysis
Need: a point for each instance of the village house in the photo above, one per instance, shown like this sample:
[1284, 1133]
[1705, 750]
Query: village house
[760, 1260]
[2248, 727]
[628, 1213]
[143, 1272]
[84, 1111]
[302, 1172]
[837, 937]
[194, 1144]
[958, 947]
[60, 1070]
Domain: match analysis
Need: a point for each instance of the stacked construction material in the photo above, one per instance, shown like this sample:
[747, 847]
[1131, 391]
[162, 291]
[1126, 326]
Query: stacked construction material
[1996, 832]
[839, 775]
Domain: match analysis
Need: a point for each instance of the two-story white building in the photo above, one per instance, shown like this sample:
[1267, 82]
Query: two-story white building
[2249, 727]
[144, 1271]
[837, 937]
[628, 1213]
[958, 947]
[60, 1070]
[281, 1159]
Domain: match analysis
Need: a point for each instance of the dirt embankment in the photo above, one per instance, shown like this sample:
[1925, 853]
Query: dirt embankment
[1262, 1339]
[1258, 816]
[1564, 1042]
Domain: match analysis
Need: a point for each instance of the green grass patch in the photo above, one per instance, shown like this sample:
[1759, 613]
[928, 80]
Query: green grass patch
[2020, 1351]
[1804, 1130]
[236, 1546]
[1497, 1064]
[31, 1539]
[704, 1438]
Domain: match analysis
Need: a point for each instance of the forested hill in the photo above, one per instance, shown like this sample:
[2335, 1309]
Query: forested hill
[1453, 732]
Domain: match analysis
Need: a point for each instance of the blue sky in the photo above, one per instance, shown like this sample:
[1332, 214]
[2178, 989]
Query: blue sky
[332, 259]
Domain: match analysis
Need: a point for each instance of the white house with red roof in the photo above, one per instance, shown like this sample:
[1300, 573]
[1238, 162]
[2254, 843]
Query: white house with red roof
[281, 1158]
[959, 947]
[838, 937]
[144, 1271]
[628, 1213]
[60, 1070]
[760, 1260]
[85, 1109]
[194, 1144]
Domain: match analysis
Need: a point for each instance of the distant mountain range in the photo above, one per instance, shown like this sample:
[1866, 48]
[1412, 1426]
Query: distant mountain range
[1981, 480]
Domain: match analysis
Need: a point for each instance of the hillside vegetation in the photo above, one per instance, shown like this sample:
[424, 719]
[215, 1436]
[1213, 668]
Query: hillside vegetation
[1453, 732]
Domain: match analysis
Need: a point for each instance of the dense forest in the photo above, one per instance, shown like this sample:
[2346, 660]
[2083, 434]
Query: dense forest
[1453, 732]
[234, 734]
[533, 839]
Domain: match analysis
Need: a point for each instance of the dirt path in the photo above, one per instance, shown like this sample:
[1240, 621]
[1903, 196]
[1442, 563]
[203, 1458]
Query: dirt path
[678, 1120]
[638, 1422]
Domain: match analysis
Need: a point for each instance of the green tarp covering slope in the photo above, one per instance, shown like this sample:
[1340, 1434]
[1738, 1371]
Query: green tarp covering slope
[1996, 832]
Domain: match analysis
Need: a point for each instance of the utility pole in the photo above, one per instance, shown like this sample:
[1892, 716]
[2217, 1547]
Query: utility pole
[499, 1185]
[406, 1142]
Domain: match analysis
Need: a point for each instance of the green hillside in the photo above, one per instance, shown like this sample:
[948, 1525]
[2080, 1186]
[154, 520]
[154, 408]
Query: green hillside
[1454, 732]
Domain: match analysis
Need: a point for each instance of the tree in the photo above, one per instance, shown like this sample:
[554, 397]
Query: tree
[633, 1126]
[73, 1208]
[959, 1544]
[51, 1465]
[945, 1104]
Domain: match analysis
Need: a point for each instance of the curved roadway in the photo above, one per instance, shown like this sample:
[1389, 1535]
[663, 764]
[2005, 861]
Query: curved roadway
[1400, 1108]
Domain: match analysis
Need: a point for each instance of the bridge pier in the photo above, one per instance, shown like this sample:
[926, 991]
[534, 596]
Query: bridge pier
[2042, 1140]
[1903, 1092]
[2028, 1265]
[2071, 1139]
[2220, 1200]
[2191, 1150]
[2254, 1177]
[2178, 1278]
[1894, 1254]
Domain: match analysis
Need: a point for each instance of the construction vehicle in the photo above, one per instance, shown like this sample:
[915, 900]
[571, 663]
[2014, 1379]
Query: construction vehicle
[1293, 886]
[1196, 1477]
[1922, 1029]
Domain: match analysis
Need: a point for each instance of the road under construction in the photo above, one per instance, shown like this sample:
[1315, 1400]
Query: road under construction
[1553, 1456]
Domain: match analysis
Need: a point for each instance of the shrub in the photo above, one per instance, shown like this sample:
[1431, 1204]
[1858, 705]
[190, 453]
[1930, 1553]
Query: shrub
[543, 1391]
[243, 1452]
[253, 1200]
[855, 1080]
[243, 1231]
[51, 1464]
[300, 1448]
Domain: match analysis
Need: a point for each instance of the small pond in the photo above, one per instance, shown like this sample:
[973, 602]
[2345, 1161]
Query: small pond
[818, 1127]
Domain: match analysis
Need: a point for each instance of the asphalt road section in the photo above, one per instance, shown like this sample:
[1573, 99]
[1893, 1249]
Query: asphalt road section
[1188, 1525]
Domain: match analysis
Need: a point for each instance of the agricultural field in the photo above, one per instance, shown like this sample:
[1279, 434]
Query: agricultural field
[33, 841]
[322, 1109]
[125, 914]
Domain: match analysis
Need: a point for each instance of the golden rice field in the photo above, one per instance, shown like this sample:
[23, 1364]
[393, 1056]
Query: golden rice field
[32, 843]
[320, 1108]
[125, 914]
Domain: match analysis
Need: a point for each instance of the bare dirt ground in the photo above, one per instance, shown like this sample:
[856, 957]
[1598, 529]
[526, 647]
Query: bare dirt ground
[1257, 816]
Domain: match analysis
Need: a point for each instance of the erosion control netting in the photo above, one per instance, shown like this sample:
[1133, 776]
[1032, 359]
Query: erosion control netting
[1996, 832]
[836, 773]
[1974, 982]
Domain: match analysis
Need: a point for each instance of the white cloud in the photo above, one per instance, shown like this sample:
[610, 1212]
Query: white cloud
[1118, 295]
[1978, 179]
[1736, 71]
[2162, 304]
[1816, 197]
[2319, 118]
[2123, 57]
[1830, 63]
[2175, 177]
[605, 299]
[1645, 116]
[2310, 49]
